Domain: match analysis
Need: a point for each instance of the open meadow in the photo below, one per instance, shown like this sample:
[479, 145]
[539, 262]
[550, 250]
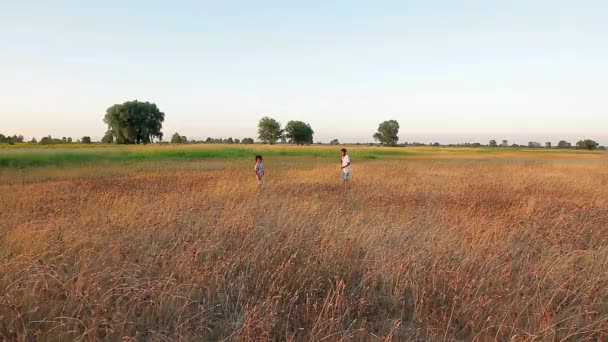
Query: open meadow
[179, 243]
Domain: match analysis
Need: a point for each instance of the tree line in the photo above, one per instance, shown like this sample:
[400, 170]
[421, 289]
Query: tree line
[135, 122]
[181, 139]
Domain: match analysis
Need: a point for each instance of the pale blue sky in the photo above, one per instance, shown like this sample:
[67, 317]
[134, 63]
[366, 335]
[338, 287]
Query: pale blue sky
[448, 71]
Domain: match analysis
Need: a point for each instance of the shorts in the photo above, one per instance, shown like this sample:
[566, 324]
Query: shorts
[346, 175]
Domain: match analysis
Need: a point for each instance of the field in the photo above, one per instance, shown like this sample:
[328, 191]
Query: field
[179, 243]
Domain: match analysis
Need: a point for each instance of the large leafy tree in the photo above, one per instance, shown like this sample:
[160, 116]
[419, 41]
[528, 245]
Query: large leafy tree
[298, 132]
[388, 133]
[269, 130]
[135, 122]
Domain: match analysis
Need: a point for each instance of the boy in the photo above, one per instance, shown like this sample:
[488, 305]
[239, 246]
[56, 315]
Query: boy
[259, 169]
[346, 168]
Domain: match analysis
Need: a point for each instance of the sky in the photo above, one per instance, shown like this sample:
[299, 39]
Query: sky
[448, 71]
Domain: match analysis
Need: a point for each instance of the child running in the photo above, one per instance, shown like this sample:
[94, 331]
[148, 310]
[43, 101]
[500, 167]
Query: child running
[259, 169]
[346, 168]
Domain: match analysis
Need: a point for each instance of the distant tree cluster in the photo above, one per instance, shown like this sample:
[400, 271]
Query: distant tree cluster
[582, 144]
[18, 139]
[179, 139]
[229, 141]
[295, 132]
[11, 139]
[48, 140]
[468, 144]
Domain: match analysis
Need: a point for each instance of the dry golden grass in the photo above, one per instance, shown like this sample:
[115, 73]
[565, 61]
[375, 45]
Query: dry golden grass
[508, 247]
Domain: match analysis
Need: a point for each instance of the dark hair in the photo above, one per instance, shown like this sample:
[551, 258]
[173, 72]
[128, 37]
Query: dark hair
[343, 150]
[258, 157]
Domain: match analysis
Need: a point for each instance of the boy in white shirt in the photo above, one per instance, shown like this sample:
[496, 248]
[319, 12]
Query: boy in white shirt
[346, 167]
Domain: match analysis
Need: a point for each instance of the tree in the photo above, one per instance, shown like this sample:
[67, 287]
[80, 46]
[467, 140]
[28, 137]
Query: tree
[46, 140]
[299, 133]
[229, 141]
[587, 144]
[237, 141]
[2, 138]
[564, 144]
[548, 144]
[15, 139]
[135, 122]
[533, 144]
[505, 143]
[33, 141]
[269, 130]
[334, 142]
[248, 141]
[387, 133]
[108, 138]
[86, 140]
[493, 143]
[176, 139]
[179, 139]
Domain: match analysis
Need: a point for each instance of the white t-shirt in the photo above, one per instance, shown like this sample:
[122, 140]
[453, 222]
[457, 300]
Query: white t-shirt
[346, 161]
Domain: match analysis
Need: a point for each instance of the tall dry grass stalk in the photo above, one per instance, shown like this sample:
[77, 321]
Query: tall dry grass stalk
[484, 249]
